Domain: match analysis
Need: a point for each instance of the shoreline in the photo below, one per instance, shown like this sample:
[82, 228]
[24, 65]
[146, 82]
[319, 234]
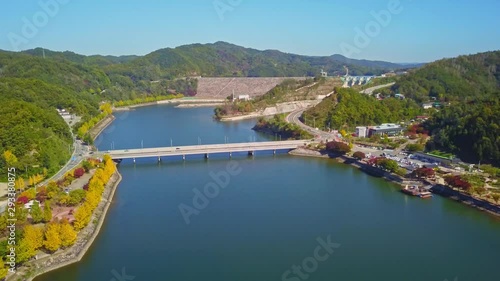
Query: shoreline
[180, 101]
[79, 254]
[101, 125]
[86, 236]
[193, 105]
[441, 190]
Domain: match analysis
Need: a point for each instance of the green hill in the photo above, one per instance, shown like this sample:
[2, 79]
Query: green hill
[224, 59]
[347, 108]
[462, 78]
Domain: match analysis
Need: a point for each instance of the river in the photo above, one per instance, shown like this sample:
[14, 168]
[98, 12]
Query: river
[275, 213]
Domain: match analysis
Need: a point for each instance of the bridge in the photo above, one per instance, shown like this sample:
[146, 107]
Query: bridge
[206, 150]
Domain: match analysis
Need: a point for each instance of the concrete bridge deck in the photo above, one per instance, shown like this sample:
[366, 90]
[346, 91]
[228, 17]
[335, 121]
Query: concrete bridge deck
[249, 147]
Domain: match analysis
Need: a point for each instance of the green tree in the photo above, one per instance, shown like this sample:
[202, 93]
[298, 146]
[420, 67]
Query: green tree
[36, 212]
[47, 211]
[389, 165]
[414, 147]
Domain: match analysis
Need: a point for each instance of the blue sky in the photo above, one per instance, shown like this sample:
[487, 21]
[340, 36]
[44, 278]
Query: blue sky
[417, 31]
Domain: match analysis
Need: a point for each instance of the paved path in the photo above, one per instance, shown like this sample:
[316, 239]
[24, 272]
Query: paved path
[318, 134]
[370, 90]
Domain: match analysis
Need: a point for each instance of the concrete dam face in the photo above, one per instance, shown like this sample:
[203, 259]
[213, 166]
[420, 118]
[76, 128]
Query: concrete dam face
[222, 87]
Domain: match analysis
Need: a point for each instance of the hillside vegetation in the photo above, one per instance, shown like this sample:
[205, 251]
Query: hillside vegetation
[469, 130]
[347, 108]
[469, 125]
[159, 71]
[457, 79]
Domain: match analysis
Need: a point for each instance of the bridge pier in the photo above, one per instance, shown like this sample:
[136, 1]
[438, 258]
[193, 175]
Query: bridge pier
[206, 155]
[251, 153]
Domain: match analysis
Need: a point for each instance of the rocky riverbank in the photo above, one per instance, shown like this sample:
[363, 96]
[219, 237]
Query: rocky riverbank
[373, 171]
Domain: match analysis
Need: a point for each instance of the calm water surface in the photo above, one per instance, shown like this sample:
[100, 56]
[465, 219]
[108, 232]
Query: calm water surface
[270, 216]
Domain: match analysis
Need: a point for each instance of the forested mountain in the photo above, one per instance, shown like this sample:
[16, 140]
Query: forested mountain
[462, 78]
[81, 59]
[224, 59]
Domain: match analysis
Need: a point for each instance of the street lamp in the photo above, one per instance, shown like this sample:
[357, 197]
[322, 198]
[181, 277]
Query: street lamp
[170, 142]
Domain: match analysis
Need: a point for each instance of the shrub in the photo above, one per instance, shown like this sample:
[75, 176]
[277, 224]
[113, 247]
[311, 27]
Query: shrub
[458, 182]
[23, 200]
[424, 173]
[414, 147]
[359, 155]
[338, 147]
[78, 172]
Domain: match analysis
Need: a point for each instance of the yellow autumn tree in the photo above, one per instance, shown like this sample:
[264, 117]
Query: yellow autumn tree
[37, 178]
[31, 181]
[109, 168]
[24, 251]
[83, 130]
[3, 270]
[106, 108]
[82, 216]
[100, 175]
[67, 234]
[10, 158]
[52, 240]
[96, 184]
[33, 235]
[20, 184]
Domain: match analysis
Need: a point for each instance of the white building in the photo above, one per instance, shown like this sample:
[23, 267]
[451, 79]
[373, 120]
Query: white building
[244, 97]
[64, 114]
[30, 204]
[361, 132]
[427, 105]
